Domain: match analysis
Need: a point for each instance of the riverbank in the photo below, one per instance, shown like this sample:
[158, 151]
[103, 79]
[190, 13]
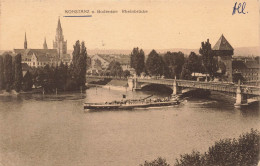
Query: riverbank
[108, 83]
[11, 93]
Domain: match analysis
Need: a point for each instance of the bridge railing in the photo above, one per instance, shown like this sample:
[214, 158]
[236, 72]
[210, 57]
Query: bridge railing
[216, 86]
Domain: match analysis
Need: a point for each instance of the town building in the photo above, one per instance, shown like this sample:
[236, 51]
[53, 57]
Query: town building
[45, 56]
[101, 62]
[224, 51]
[248, 70]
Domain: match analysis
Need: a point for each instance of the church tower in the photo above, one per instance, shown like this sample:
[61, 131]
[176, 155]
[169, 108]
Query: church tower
[25, 42]
[59, 42]
[45, 44]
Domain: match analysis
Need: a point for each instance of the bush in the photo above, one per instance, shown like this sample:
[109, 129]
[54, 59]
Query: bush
[242, 151]
[158, 162]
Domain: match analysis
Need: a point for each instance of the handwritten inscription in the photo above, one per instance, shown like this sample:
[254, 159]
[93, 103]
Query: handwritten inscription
[239, 8]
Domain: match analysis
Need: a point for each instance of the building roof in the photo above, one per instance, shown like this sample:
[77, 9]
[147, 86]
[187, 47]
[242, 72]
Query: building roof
[222, 44]
[252, 65]
[43, 55]
[122, 59]
[66, 57]
[49, 52]
[43, 58]
[239, 64]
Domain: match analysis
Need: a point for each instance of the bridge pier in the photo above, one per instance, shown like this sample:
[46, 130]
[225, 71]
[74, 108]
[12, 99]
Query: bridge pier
[176, 89]
[241, 99]
[133, 84]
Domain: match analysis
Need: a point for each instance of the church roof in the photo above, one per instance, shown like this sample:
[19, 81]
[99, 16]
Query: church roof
[25, 52]
[222, 44]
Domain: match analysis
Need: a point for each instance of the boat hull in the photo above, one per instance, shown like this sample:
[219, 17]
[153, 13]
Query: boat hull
[128, 106]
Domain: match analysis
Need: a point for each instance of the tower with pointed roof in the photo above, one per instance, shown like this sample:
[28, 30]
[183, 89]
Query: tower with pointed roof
[25, 41]
[59, 42]
[224, 51]
[45, 44]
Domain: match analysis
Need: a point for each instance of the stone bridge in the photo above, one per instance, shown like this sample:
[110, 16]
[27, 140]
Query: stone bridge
[241, 91]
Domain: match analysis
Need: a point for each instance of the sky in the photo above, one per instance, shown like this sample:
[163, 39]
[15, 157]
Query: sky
[167, 24]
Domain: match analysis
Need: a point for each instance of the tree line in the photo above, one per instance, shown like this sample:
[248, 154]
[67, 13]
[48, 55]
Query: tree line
[50, 78]
[175, 64]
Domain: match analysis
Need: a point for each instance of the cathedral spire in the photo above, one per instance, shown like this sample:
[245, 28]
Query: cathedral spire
[45, 44]
[59, 42]
[25, 42]
[59, 24]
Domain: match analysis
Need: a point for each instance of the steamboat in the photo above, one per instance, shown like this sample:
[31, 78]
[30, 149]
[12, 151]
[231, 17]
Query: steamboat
[131, 104]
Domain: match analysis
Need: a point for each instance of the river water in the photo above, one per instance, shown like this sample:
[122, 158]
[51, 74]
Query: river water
[55, 130]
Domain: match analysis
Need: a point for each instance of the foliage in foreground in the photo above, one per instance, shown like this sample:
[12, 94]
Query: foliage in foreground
[157, 162]
[227, 152]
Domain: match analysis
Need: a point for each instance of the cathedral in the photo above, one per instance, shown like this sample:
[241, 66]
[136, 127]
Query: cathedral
[44, 56]
[59, 42]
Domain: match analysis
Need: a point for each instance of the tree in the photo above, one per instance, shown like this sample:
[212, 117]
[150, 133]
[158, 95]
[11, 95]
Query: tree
[62, 74]
[48, 80]
[115, 68]
[8, 72]
[194, 63]
[2, 81]
[126, 73]
[174, 62]
[207, 58]
[186, 73]
[27, 82]
[137, 60]
[76, 52]
[88, 63]
[82, 65]
[79, 65]
[18, 75]
[154, 64]
[98, 64]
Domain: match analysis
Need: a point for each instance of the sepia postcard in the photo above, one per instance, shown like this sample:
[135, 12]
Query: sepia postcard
[129, 83]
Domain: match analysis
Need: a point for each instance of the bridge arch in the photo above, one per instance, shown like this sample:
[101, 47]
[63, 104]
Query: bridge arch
[157, 87]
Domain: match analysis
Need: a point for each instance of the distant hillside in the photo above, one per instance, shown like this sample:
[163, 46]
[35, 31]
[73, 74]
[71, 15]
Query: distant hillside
[128, 52]
[239, 51]
[247, 51]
